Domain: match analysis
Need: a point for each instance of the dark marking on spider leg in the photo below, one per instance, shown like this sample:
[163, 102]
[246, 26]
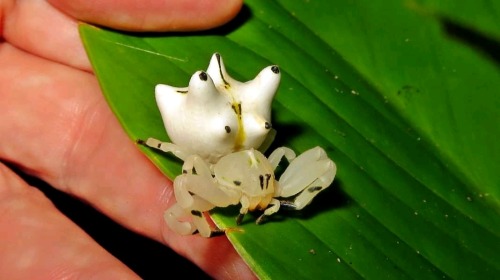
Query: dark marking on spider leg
[239, 218]
[288, 205]
[260, 219]
[237, 183]
[196, 213]
[217, 232]
[193, 171]
[314, 189]
[140, 142]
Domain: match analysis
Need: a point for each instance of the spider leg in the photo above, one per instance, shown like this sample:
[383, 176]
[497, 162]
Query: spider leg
[307, 175]
[274, 206]
[190, 220]
[198, 180]
[268, 140]
[245, 203]
[276, 156]
[166, 147]
[196, 192]
[173, 217]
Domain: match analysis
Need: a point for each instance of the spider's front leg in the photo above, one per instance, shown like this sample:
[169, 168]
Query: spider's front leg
[190, 220]
[306, 175]
[166, 147]
[196, 192]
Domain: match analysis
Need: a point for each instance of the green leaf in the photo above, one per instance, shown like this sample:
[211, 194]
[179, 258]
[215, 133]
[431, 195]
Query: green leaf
[405, 106]
[480, 15]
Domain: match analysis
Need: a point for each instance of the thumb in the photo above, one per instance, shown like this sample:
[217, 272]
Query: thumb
[152, 15]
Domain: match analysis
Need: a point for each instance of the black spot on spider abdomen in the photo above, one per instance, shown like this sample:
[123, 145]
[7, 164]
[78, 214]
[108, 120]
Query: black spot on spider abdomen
[203, 76]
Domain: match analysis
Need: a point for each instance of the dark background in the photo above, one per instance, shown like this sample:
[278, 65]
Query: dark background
[146, 257]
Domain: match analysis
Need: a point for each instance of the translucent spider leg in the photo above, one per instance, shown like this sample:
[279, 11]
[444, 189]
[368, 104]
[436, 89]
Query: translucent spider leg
[186, 221]
[267, 141]
[276, 156]
[274, 206]
[174, 216]
[196, 191]
[307, 175]
[165, 147]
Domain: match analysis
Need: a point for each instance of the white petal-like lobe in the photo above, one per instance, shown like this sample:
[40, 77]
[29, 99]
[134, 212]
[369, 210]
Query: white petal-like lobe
[217, 115]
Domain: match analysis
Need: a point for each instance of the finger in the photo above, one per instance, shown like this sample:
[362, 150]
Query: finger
[40, 28]
[37, 241]
[155, 15]
[57, 126]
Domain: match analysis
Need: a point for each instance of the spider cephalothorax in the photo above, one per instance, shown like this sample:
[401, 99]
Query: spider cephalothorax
[246, 177]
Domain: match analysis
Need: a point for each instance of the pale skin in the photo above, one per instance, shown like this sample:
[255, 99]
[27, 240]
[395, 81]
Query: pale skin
[56, 125]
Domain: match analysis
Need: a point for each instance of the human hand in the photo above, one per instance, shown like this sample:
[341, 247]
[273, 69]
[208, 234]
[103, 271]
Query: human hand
[56, 125]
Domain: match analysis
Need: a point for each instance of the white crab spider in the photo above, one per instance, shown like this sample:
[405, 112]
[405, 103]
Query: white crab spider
[217, 115]
[246, 177]
[215, 124]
